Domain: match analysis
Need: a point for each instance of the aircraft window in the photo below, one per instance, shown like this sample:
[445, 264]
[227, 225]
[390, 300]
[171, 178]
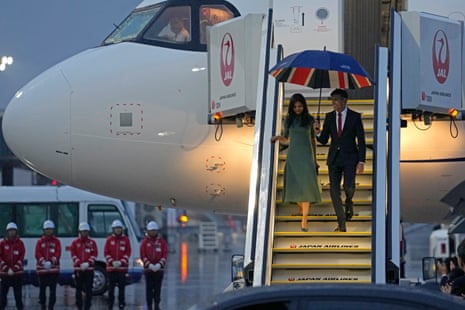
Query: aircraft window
[173, 25]
[210, 15]
[132, 25]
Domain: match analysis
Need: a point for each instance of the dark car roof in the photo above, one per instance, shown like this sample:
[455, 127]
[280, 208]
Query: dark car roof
[331, 296]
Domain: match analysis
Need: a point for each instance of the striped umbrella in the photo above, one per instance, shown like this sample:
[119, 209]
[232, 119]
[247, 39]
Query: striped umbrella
[321, 69]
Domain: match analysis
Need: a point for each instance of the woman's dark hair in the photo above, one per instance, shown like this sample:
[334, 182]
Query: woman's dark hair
[306, 120]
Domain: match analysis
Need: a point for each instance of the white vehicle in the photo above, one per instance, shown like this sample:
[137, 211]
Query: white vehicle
[66, 206]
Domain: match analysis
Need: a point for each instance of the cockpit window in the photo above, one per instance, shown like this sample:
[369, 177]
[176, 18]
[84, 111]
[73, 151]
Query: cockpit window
[210, 15]
[132, 25]
[173, 26]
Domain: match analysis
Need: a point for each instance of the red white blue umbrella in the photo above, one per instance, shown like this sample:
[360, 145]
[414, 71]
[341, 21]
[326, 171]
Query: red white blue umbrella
[322, 69]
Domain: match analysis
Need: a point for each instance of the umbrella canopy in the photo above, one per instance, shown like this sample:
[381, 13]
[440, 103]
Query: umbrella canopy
[322, 69]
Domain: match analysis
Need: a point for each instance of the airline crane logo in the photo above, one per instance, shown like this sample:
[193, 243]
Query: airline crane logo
[441, 56]
[227, 59]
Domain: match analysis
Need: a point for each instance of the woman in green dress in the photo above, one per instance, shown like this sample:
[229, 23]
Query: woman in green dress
[300, 173]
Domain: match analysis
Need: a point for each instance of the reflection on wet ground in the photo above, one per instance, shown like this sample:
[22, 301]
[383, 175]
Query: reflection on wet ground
[192, 275]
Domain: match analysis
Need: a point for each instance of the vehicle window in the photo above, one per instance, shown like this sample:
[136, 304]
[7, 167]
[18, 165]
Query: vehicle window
[210, 15]
[66, 219]
[132, 25]
[30, 217]
[173, 25]
[100, 218]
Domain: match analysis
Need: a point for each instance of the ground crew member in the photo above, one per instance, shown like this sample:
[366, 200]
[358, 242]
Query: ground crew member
[153, 252]
[11, 266]
[84, 253]
[117, 252]
[48, 253]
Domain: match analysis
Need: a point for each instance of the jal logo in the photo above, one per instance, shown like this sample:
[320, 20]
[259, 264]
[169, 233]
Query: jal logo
[227, 59]
[441, 56]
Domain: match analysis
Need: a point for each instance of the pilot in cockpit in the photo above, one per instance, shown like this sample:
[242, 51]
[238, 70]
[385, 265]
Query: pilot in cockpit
[175, 31]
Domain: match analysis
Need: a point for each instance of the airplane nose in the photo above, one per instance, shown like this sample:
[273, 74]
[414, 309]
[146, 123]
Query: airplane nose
[36, 125]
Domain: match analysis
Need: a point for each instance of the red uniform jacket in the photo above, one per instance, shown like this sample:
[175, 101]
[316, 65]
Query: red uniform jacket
[11, 256]
[48, 249]
[84, 250]
[153, 251]
[117, 248]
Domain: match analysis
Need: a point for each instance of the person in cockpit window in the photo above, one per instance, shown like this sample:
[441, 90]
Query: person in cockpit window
[175, 31]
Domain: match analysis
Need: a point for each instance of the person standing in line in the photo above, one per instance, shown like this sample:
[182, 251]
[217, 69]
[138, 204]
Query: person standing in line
[153, 252]
[346, 155]
[300, 173]
[84, 252]
[117, 252]
[48, 253]
[12, 253]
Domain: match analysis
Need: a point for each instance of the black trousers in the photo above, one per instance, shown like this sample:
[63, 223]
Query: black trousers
[337, 170]
[116, 278]
[16, 282]
[153, 282]
[49, 280]
[84, 281]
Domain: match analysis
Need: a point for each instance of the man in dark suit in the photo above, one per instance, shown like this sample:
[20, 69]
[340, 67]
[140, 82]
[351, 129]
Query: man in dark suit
[346, 155]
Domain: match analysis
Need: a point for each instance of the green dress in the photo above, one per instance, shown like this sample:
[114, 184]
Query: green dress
[300, 179]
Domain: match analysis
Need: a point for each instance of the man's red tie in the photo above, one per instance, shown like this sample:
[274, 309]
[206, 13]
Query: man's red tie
[339, 124]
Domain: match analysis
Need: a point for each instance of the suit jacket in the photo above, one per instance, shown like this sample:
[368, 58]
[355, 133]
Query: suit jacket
[352, 151]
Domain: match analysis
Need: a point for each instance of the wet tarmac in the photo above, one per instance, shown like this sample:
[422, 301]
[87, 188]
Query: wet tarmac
[193, 275]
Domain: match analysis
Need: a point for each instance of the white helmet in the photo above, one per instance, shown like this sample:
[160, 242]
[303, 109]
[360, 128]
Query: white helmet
[11, 225]
[116, 223]
[152, 225]
[84, 226]
[48, 224]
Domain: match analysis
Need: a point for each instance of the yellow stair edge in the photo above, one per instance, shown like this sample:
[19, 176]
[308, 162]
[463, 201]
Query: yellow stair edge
[326, 171]
[321, 266]
[363, 187]
[319, 281]
[323, 156]
[323, 250]
[322, 217]
[328, 203]
[322, 233]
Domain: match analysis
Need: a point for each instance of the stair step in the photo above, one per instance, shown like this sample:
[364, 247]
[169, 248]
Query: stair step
[321, 250]
[317, 242]
[326, 186]
[355, 218]
[327, 203]
[321, 266]
[322, 226]
[320, 275]
[322, 233]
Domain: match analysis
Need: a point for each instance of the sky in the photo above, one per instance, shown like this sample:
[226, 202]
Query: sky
[41, 33]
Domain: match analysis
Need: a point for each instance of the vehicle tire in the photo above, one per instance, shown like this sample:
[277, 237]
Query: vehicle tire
[100, 284]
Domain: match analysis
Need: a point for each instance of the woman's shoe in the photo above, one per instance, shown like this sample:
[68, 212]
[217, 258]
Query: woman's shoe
[304, 229]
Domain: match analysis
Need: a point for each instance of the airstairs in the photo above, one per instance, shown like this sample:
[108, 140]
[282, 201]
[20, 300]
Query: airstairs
[322, 255]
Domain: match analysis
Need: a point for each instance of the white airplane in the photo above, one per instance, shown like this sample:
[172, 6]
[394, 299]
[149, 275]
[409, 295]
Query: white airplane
[128, 119]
